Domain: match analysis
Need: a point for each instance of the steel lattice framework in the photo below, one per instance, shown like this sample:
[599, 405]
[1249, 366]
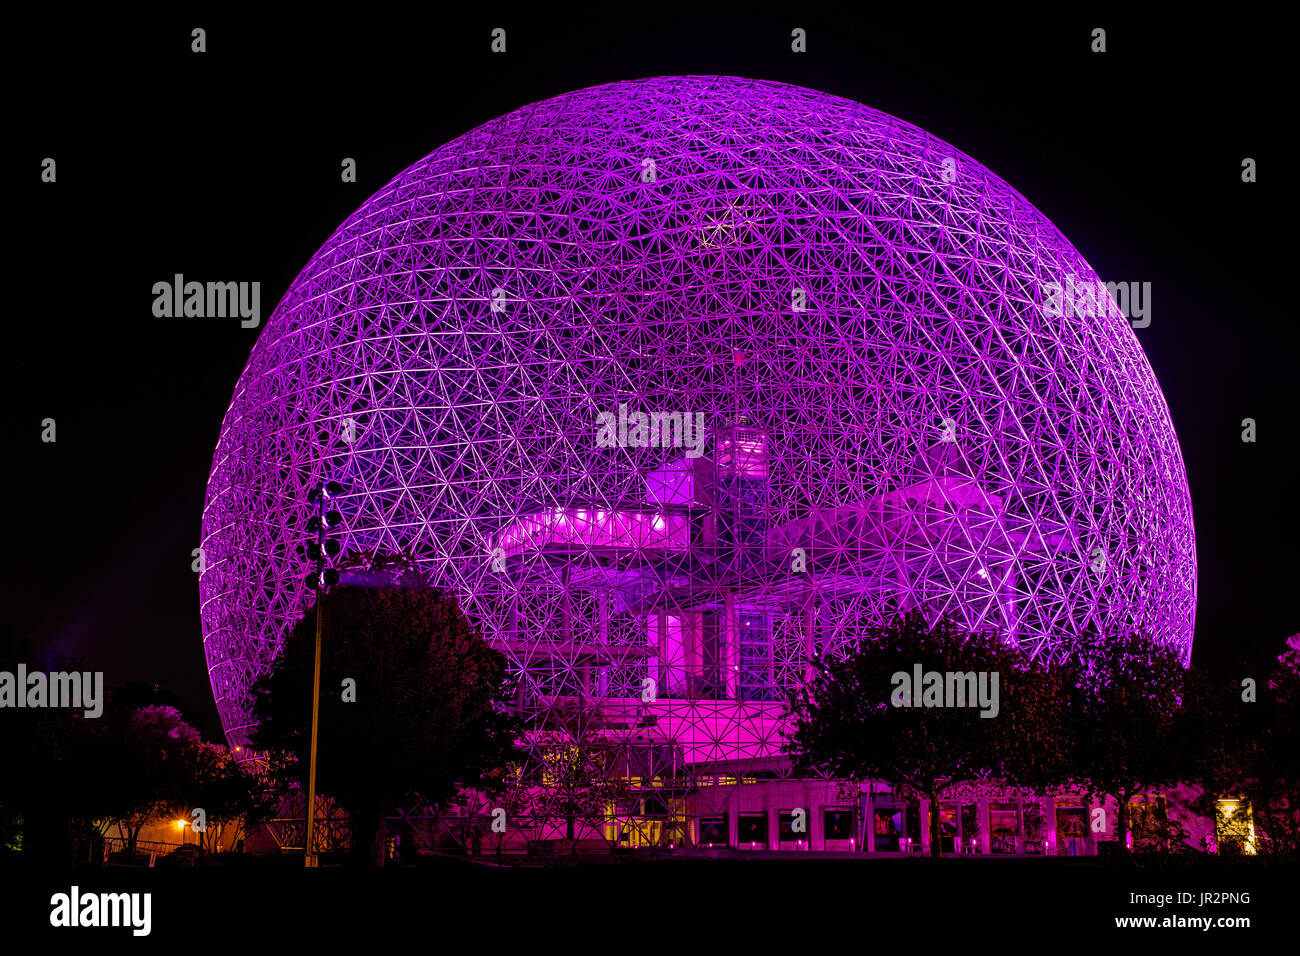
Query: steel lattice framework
[677, 382]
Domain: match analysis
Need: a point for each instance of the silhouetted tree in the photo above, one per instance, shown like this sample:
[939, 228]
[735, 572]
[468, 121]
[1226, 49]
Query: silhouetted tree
[155, 755]
[1249, 747]
[232, 797]
[1129, 727]
[428, 718]
[845, 723]
[132, 766]
[51, 792]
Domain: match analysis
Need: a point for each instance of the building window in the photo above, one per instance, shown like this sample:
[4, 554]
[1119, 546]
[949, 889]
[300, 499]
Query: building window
[751, 830]
[1071, 830]
[837, 823]
[709, 682]
[1004, 827]
[970, 828]
[1234, 826]
[713, 831]
[755, 681]
[1148, 821]
[1035, 835]
[785, 823]
[948, 828]
[887, 827]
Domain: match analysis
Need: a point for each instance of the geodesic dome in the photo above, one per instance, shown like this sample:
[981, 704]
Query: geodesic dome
[679, 382]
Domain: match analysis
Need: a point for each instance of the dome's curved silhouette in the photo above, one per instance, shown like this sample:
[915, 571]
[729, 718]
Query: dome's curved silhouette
[677, 381]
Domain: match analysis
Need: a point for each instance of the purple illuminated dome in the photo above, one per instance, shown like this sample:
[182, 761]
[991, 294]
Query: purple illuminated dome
[677, 382]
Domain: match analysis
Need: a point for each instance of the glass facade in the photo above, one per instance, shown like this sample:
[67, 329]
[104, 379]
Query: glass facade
[751, 830]
[888, 828]
[1004, 827]
[837, 823]
[713, 831]
[1234, 826]
[756, 658]
[1071, 829]
[792, 827]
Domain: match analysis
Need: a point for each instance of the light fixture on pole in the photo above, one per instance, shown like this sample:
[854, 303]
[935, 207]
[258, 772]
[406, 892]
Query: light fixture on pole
[319, 580]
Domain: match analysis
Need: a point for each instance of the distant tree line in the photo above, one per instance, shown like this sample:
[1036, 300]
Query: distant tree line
[75, 778]
[418, 711]
[1119, 716]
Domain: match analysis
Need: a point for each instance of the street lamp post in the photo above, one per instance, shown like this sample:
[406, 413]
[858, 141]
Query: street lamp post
[322, 578]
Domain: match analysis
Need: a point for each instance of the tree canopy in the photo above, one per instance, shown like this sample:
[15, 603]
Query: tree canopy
[412, 706]
[853, 719]
[1130, 709]
[134, 766]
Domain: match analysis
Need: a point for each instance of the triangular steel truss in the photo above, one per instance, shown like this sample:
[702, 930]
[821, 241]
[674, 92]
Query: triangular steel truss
[678, 382]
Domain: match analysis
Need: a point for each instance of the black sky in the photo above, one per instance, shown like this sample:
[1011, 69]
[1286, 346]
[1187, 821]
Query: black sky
[225, 166]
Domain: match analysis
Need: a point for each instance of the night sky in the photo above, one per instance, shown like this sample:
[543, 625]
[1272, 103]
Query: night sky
[224, 166]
